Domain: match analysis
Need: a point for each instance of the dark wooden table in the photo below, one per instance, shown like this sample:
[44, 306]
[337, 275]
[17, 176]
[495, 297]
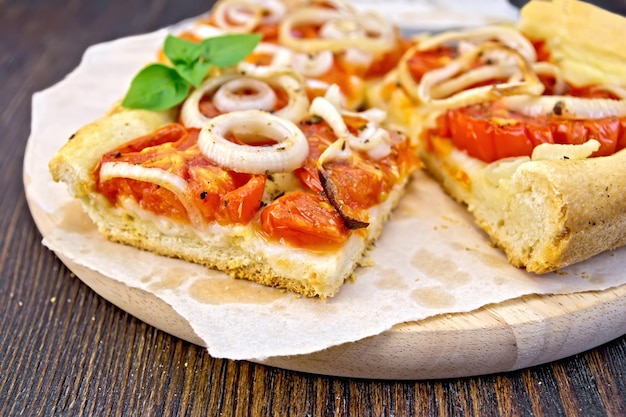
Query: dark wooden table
[64, 351]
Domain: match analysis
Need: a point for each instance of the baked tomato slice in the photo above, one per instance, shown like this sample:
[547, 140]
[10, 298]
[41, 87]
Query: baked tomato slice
[422, 62]
[490, 132]
[219, 195]
[360, 182]
[303, 219]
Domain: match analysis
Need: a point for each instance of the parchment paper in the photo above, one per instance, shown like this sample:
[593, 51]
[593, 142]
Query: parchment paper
[430, 260]
[436, 15]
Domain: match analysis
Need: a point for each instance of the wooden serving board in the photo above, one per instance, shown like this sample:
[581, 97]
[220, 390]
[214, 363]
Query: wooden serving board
[515, 334]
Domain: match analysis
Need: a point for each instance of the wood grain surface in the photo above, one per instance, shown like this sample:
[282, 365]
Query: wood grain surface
[64, 351]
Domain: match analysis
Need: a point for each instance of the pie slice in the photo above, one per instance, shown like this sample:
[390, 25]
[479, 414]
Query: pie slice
[286, 203]
[526, 126]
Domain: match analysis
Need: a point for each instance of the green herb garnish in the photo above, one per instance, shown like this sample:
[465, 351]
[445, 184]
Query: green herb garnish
[160, 87]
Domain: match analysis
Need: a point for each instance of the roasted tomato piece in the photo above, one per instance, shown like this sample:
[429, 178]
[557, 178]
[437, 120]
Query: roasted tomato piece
[303, 220]
[489, 132]
[220, 195]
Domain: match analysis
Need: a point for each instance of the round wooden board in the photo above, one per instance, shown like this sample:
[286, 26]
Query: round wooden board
[502, 337]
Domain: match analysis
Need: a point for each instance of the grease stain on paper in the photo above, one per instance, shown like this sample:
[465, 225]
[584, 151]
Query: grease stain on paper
[75, 220]
[440, 268]
[598, 279]
[174, 278]
[228, 290]
[433, 297]
[494, 259]
[389, 279]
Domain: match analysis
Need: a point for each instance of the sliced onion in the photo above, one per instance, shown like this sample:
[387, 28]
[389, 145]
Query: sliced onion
[258, 95]
[374, 34]
[358, 58]
[508, 36]
[272, 10]
[313, 64]
[472, 77]
[566, 107]
[334, 96]
[340, 28]
[530, 85]
[160, 177]
[330, 113]
[246, 15]
[374, 114]
[288, 153]
[287, 80]
[556, 151]
[373, 139]
[315, 84]
[404, 75]
[341, 5]
[617, 91]
[225, 10]
[281, 56]
[204, 31]
[275, 78]
[190, 114]
[547, 68]
[239, 15]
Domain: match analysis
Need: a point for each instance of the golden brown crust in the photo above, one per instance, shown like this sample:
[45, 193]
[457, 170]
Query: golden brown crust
[586, 41]
[545, 215]
[75, 160]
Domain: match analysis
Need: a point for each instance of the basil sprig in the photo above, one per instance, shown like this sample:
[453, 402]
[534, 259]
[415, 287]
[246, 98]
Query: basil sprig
[160, 87]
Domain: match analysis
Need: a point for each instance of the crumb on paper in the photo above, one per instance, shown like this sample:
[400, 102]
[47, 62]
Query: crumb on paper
[367, 262]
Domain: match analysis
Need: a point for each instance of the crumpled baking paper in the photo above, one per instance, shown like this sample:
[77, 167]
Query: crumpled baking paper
[430, 260]
[437, 15]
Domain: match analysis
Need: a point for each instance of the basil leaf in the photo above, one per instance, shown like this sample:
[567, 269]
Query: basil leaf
[184, 56]
[193, 73]
[160, 87]
[227, 50]
[180, 50]
[156, 87]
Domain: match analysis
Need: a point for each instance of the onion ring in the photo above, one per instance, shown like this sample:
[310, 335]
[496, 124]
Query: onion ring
[173, 183]
[508, 36]
[566, 107]
[274, 77]
[377, 37]
[372, 139]
[224, 9]
[287, 154]
[259, 95]
[530, 85]
[313, 64]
